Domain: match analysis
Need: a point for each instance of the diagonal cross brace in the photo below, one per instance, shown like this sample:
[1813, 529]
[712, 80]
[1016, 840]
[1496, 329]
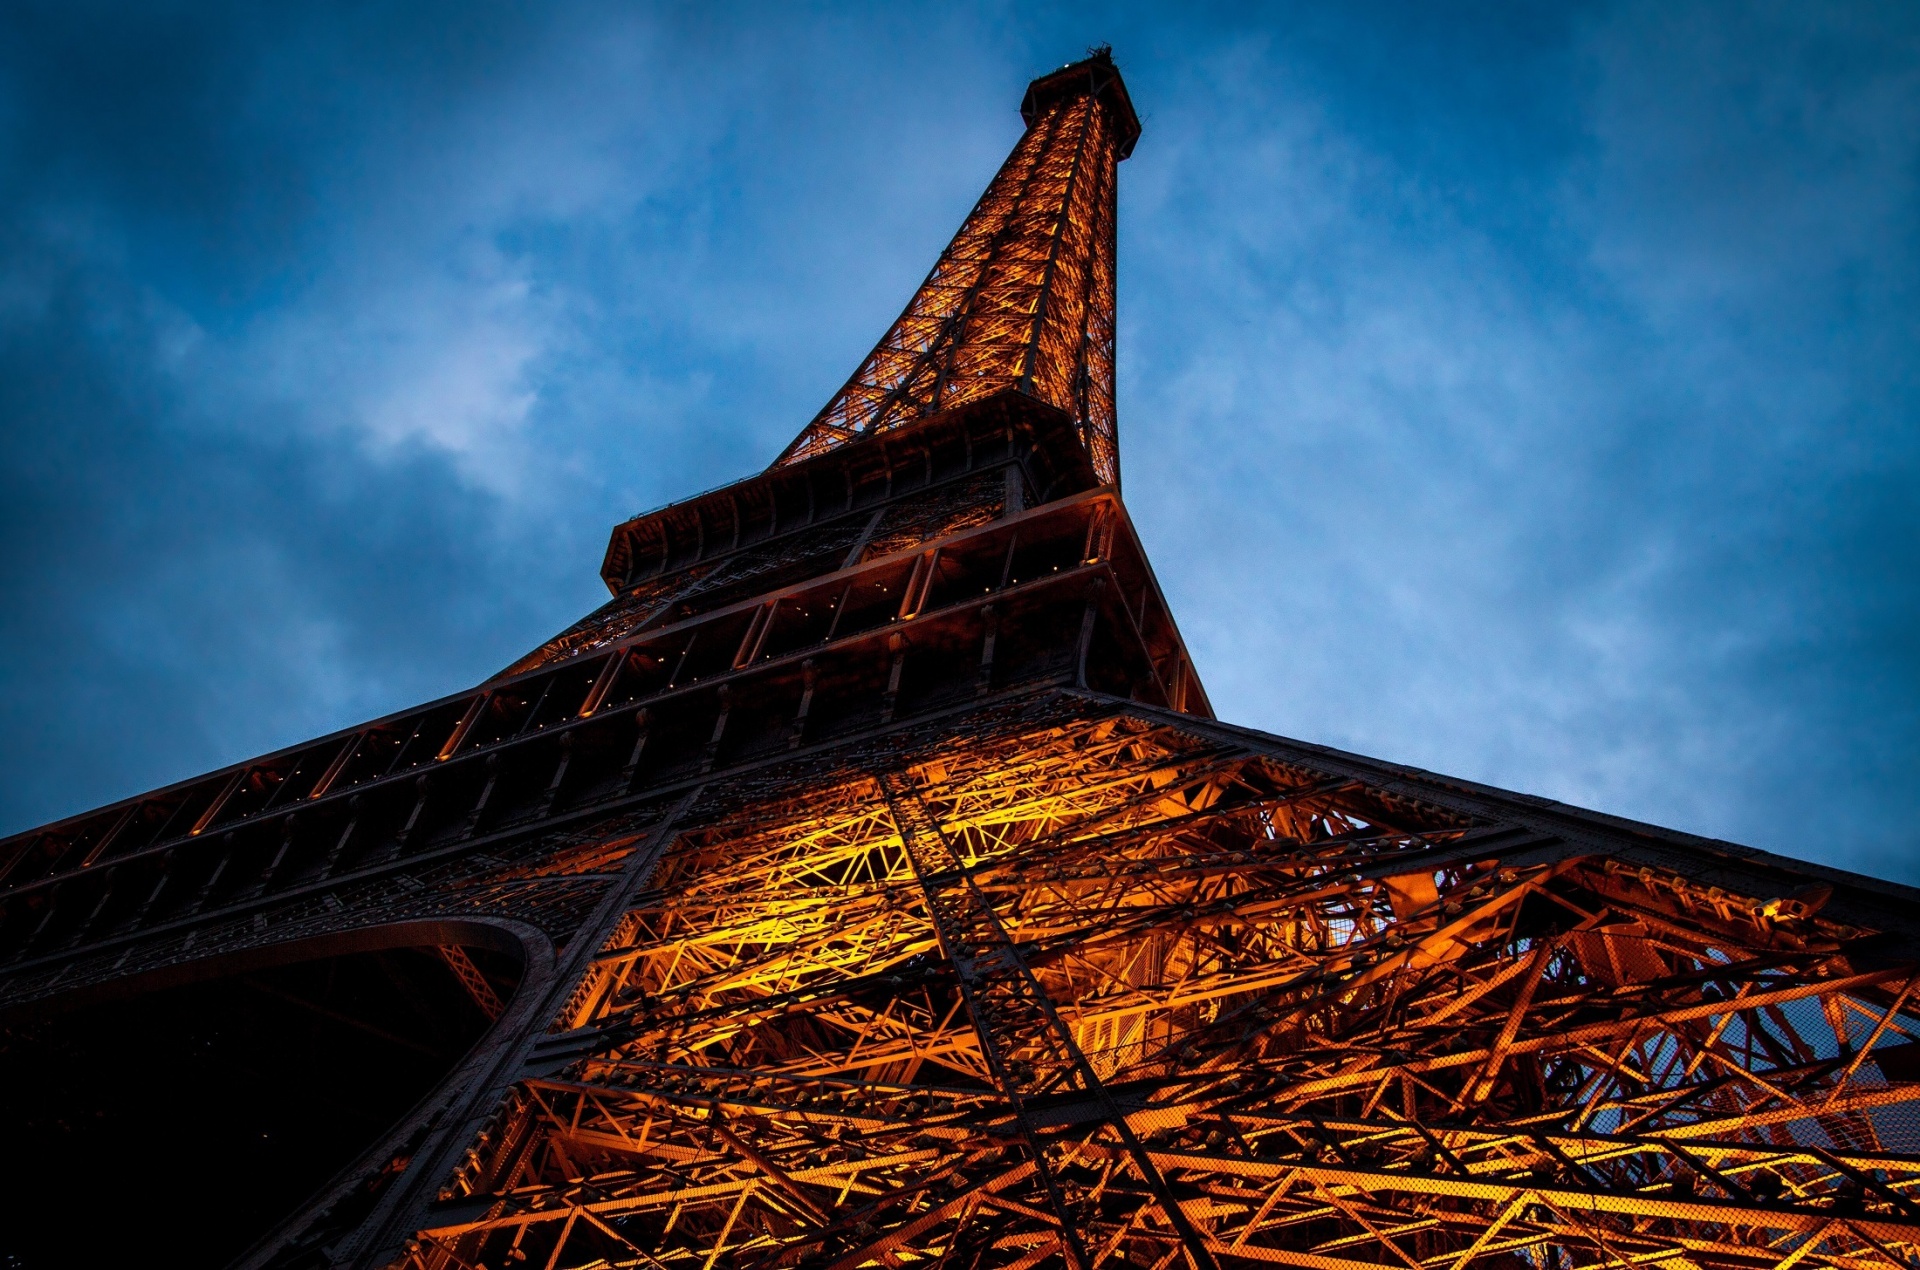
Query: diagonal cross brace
[1009, 1007]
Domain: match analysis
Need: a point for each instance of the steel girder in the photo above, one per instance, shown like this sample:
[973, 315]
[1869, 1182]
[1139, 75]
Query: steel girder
[1120, 991]
[1021, 299]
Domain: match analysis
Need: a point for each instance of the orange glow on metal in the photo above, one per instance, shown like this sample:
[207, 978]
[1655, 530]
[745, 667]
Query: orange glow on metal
[1022, 298]
[1108, 996]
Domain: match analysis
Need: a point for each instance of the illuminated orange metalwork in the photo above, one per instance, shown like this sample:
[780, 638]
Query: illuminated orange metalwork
[1132, 992]
[890, 896]
[1022, 298]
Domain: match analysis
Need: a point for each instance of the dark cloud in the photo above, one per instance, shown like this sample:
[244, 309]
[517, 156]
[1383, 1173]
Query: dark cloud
[1526, 393]
[179, 595]
[1591, 459]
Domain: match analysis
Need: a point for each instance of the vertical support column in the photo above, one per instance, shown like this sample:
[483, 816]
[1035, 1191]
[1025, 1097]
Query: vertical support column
[207, 887]
[460, 729]
[279, 856]
[401, 1208]
[641, 720]
[754, 636]
[1087, 619]
[486, 795]
[603, 684]
[153, 893]
[219, 801]
[1099, 541]
[20, 854]
[719, 728]
[685, 653]
[80, 931]
[839, 611]
[421, 786]
[955, 919]
[897, 645]
[808, 675]
[866, 535]
[40, 927]
[983, 683]
[552, 793]
[533, 714]
[110, 836]
[339, 765]
[355, 806]
[919, 584]
[406, 746]
[1031, 1053]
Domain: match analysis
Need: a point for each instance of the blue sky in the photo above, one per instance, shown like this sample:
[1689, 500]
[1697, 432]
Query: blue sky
[1522, 392]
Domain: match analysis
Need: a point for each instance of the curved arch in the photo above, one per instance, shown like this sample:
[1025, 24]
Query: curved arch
[118, 1075]
[518, 939]
[332, 1209]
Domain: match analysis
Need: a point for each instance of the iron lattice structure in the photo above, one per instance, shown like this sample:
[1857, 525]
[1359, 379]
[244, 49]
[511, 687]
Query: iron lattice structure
[1022, 298]
[888, 895]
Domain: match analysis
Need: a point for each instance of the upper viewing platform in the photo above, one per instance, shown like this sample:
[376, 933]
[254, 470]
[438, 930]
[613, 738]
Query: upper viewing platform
[1098, 77]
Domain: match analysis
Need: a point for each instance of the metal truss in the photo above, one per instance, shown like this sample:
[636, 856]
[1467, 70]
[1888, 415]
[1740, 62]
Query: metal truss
[844, 541]
[887, 896]
[451, 793]
[1119, 994]
[1023, 297]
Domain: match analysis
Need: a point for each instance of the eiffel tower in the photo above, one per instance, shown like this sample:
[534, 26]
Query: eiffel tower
[869, 883]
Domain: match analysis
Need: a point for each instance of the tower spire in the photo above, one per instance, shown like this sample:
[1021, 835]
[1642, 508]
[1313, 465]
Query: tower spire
[1022, 299]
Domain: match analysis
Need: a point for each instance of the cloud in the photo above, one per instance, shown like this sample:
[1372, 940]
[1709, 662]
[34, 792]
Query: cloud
[1574, 480]
[1524, 395]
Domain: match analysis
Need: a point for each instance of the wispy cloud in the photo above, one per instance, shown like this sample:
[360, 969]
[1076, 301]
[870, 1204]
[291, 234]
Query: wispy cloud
[1528, 397]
